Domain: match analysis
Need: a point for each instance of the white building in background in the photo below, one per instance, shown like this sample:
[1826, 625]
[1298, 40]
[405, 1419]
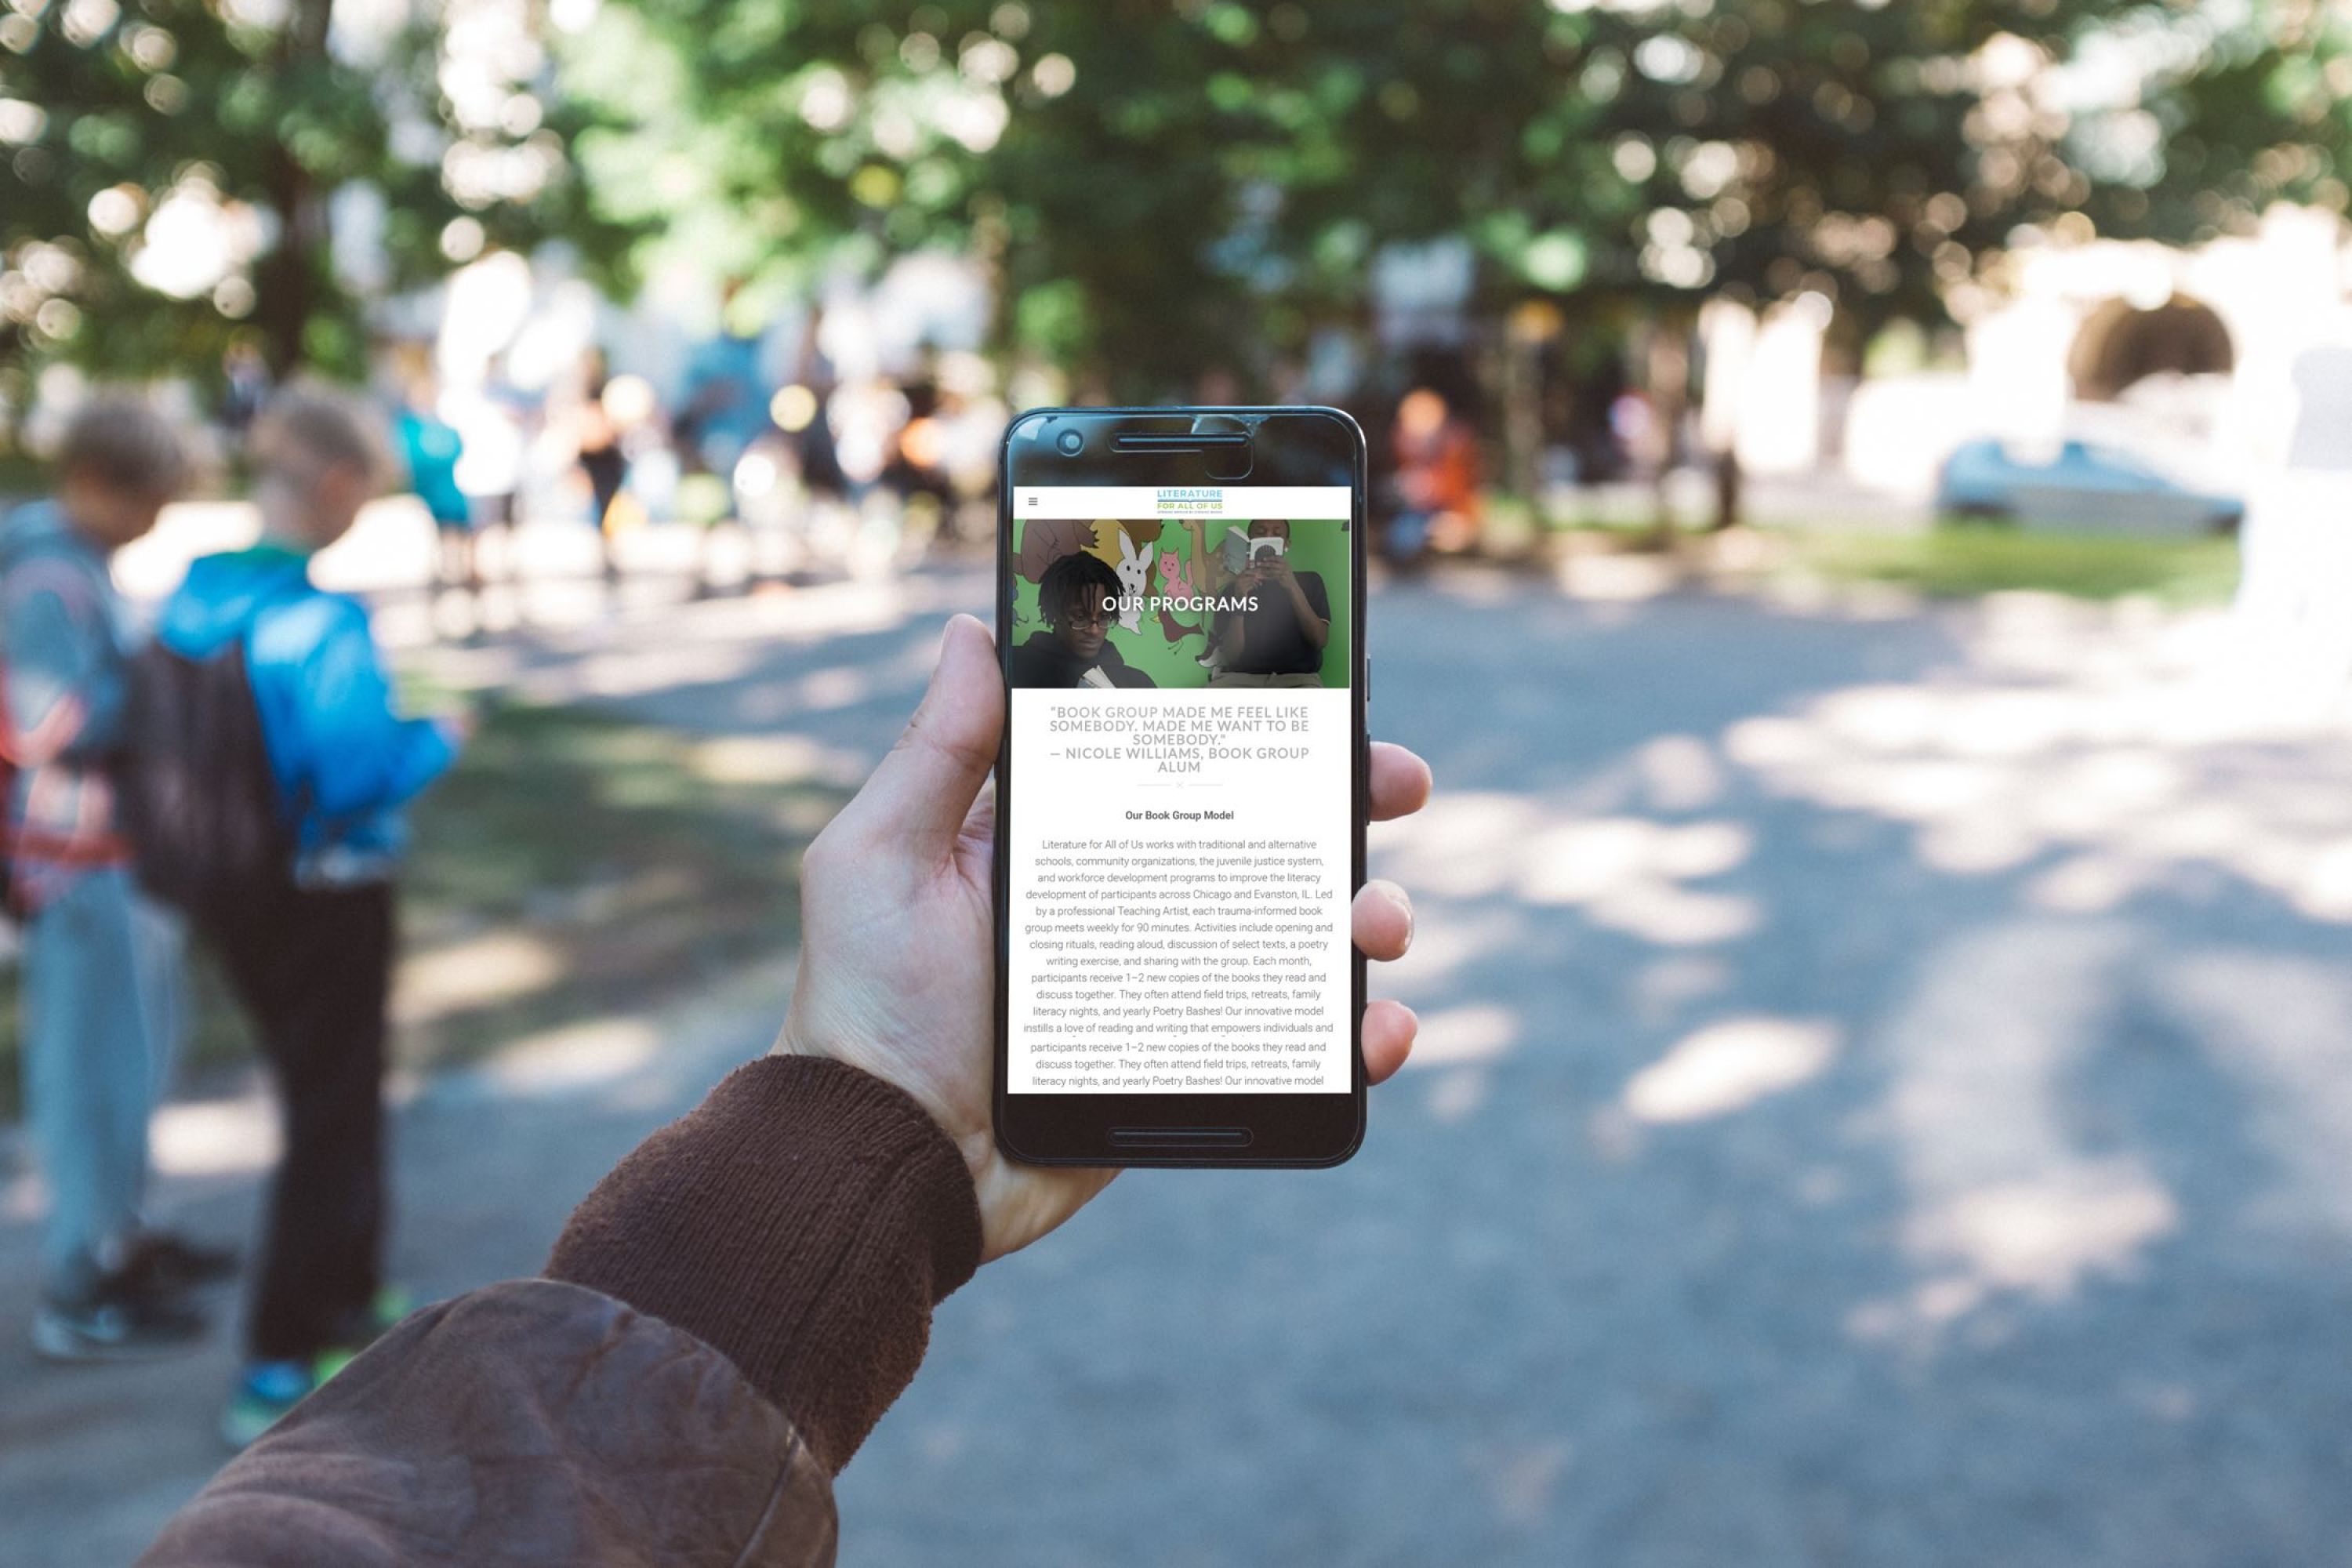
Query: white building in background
[2183, 356]
[2189, 351]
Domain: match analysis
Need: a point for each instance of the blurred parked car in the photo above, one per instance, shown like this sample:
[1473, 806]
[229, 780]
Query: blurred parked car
[2077, 484]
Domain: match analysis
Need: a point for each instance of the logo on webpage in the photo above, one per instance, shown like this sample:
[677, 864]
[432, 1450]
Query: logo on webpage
[1190, 500]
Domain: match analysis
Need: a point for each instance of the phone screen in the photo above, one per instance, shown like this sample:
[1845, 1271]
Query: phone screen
[1178, 838]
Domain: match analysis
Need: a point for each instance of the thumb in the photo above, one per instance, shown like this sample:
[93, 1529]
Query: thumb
[922, 790]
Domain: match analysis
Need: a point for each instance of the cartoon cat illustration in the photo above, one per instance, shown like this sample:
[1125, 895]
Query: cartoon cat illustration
[1176, 584]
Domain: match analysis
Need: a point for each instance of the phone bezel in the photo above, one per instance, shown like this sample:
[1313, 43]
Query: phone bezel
[1289, 445]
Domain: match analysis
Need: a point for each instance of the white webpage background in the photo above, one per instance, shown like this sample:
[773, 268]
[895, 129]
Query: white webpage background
[1308, 798]
[1172, 503]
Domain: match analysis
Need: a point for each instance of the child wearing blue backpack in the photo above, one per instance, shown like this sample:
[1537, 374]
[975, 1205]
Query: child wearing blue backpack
[311, 953]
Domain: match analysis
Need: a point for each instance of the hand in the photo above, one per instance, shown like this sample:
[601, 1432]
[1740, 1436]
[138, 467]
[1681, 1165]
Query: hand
[898, 953]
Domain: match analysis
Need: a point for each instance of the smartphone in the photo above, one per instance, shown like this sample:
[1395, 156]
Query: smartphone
[1181, 787]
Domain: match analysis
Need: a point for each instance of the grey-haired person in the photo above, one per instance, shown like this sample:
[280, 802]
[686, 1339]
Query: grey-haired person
[100, 962]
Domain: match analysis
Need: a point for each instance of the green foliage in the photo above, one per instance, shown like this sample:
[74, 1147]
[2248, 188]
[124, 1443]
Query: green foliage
[1964, 560]
[168, 170]
[1156, 186]
[1163, 187]
[612, 848]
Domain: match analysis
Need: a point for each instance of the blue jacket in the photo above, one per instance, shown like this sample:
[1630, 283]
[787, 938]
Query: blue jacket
[431, 447]
[65, 641]
[343, 759]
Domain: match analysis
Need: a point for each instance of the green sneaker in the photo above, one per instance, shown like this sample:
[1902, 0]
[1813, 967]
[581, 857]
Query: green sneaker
[266, 1390]
[358, 1329]
[391, 1304]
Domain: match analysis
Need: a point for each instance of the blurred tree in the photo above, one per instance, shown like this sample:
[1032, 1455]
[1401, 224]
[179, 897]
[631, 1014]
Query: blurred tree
[1623, 155]
[169, 169]
[1099, 158]
[1164, 188]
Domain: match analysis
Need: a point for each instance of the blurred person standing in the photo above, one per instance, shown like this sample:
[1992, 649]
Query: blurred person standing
[245, 385]
[865, 418]
[969, 423]
[1279, 640]
[311, 955]
[100, 969]
[915, 471]
[722, 412]
[1439, 487]
[814, 447]
[915, 466]
[493, 420]
[724, 408]
[603, 459]
[430, 452]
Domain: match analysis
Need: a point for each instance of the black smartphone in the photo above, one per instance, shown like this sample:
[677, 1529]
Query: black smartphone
[1181, 787]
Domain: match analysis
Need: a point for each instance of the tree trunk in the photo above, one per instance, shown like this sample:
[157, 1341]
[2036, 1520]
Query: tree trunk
[286, 281]
[1730, 483]
[1666, 369]
[1522, 417]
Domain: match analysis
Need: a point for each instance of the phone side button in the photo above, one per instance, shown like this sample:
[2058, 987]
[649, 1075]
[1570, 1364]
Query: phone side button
[1368, 680]
[1180, 1137]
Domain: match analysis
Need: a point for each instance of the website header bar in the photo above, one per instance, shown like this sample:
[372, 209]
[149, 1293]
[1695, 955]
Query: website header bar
[1240, 501]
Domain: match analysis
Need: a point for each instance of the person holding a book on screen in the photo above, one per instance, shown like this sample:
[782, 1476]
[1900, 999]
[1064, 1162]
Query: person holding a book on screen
[1280, 641]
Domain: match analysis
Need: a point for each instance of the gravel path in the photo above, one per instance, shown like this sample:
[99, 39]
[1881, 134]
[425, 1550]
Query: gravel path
[1887, 1099]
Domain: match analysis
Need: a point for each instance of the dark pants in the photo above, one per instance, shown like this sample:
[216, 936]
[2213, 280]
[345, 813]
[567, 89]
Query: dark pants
[313, 968]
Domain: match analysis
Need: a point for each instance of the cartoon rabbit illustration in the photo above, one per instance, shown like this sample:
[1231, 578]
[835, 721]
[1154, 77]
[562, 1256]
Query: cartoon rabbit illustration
[1134, 576]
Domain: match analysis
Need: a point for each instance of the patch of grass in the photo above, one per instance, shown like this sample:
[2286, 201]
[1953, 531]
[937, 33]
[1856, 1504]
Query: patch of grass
[573, 864]
[1961, 561]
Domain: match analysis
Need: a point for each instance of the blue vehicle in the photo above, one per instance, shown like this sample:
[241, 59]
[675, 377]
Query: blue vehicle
[2079, 484]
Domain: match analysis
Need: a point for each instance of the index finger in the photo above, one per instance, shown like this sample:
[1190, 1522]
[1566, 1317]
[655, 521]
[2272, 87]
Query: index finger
[1401, 782]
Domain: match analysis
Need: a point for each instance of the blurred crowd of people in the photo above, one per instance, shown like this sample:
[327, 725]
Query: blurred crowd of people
[815, 473]
[789, 466]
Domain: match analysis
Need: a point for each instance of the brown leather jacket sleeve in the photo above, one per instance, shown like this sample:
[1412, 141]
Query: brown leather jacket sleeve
[727, 1315]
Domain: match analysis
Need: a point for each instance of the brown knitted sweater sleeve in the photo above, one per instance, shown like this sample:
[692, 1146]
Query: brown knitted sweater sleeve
[803, 1220]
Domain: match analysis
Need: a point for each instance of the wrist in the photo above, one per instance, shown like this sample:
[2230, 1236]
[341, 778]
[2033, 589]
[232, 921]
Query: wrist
[798, 1038]
[802, 1221]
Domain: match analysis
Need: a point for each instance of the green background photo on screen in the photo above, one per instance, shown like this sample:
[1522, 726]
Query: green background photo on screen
[1169, 648]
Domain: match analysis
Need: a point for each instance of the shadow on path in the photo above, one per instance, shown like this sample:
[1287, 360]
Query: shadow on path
[1885, 1099]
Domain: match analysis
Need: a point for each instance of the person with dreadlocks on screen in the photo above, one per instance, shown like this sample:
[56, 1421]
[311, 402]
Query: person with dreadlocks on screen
[1078, 596]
